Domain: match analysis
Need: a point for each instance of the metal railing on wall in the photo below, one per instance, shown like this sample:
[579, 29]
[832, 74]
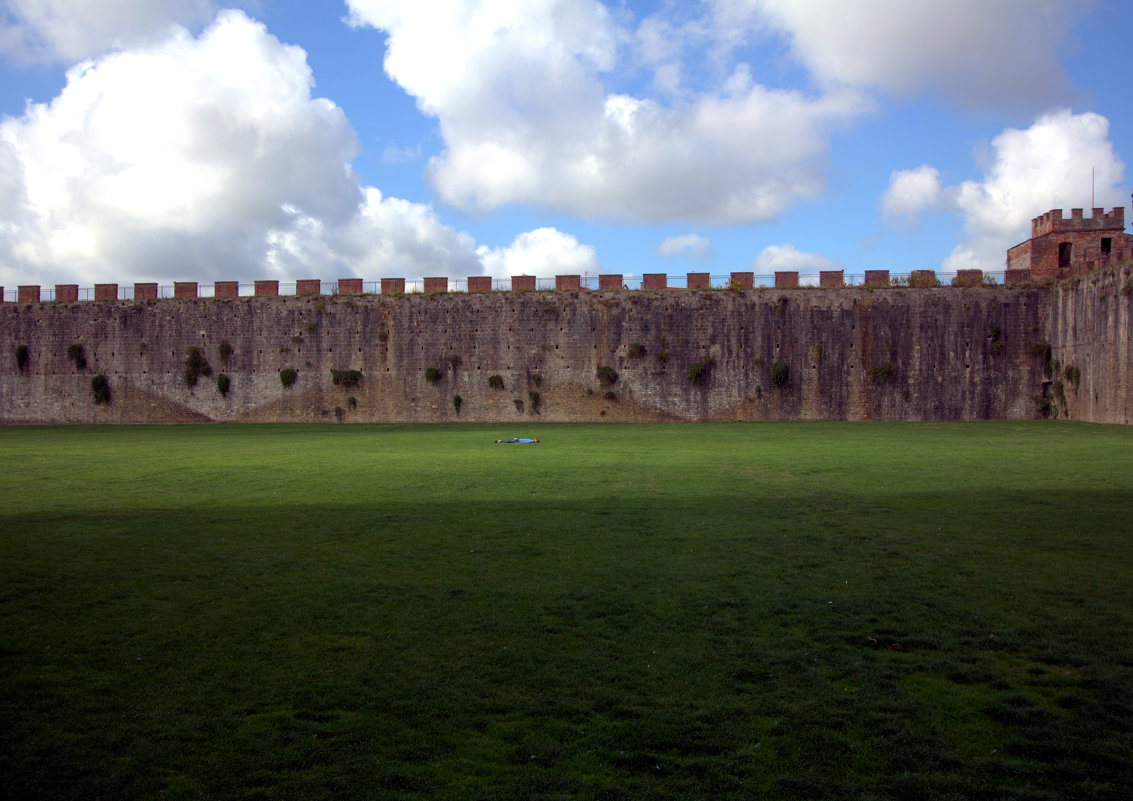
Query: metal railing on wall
[417, 285]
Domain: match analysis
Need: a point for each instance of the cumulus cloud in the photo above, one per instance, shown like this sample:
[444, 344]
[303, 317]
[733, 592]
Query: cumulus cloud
[207, 157]
[1028, 171]
[690, 246]
[177, 156]
[787, 257]
[543, 252]
[975, 52]
[911, 192]
[70, 30]
[519, 94]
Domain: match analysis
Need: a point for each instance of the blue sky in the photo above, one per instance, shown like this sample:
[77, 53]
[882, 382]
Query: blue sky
[163, 140]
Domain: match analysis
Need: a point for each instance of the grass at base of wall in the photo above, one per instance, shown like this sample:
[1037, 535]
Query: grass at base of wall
[717, 611]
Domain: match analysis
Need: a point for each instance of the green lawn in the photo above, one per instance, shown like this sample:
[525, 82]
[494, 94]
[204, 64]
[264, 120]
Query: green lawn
[718, 611]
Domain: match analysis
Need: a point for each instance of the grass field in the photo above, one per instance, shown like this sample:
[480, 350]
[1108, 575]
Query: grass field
[719, 611]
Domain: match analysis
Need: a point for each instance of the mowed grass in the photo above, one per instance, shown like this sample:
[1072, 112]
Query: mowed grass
[719, 611]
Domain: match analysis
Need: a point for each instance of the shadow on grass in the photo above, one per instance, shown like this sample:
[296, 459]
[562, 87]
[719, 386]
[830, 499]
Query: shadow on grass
[800, 646]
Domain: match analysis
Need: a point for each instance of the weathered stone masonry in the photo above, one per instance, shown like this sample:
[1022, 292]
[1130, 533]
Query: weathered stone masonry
[851, 354]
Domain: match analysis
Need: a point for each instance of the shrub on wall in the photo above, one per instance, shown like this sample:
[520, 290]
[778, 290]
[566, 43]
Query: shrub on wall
[607, 375]
[22, 358]
[100, 389]
[535, 398]
[457, 402]
[495, 382]
[882, 373]
[346, 378]
[636, 350]
[224, 350]
[223, 384]
[780, 374]
[288, 376]
[698, 371]
[196, 365]
[518, 405]
[78, 355]
[432, 375]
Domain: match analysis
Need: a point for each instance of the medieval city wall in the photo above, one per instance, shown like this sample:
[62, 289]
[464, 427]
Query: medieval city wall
[940, 353]
[1092, 347]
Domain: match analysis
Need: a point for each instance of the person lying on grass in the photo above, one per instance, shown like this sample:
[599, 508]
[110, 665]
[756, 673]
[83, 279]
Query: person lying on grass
[515, 440]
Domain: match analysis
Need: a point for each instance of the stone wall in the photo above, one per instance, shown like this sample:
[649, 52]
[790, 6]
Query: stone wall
[1092, 347]
[850, 354]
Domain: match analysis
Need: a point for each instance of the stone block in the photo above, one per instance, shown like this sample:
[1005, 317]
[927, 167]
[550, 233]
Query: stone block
[697, 280]
[226, 289]
[609, 281]
[106, 291]
[786, 279]
[436, 284]
[922, 278]
[1016, 277]
[67, 293]
[308, 286]
[522, 283]
[349, 286]
[565, 283]
[742, 280]
[973, 277]
[393, 286]
[186, 290]
[479, 283]
[147, 291]
[876, 278]
[655, 281]
[28, 293]
[832, 279]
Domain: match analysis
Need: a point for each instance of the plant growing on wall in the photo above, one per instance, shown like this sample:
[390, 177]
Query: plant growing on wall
[636, 350]
[698, 372]
[607, 376]
[196, 365]
[996, 338]
[780, 374]
[346, 378]
[432, 375]
[224, 350]
[77, 355]
[536, 379]
[1072, 375]
[455, 361]
[518, 405]
[100, 389]
[610, 395]
[457, 402]
[535, 399]
[288, 376]
[223, 384]
[495, 382]
[22, 358]
[881, 373]
[352, 402]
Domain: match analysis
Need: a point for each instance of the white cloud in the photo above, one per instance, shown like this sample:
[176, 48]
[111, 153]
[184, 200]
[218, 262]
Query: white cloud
[518, 90]
[690, 246]
[787, 257]
[910, 192]
[543, 252]
[1028, 172]
[174, 158]
[69, 30]
[386, 237]
[976, 52]
[207, 158]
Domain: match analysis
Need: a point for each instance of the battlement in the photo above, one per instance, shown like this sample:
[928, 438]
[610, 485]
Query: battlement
[1053, 221]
